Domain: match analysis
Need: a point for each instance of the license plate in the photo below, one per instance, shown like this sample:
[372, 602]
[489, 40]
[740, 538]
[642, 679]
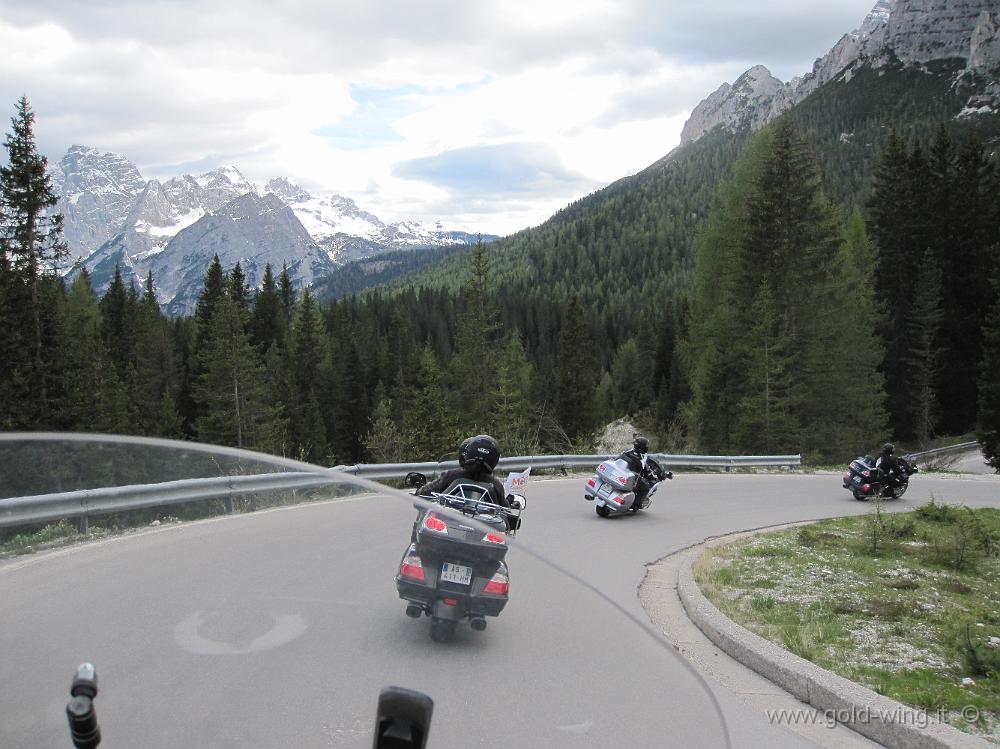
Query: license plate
[456, 573]
[605, 490]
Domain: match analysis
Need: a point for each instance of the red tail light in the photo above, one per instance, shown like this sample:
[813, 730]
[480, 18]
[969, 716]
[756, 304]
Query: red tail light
[847, 476]
[495, 538]
[591, 483]
[498, 585]
[450, 601]
[866, 474]
[866, 488]
[622, 480]
[433, 523]
[619, 499]
[411, 567]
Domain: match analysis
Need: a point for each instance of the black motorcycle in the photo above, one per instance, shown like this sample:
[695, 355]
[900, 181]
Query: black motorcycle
[864, 480]
[454, 567]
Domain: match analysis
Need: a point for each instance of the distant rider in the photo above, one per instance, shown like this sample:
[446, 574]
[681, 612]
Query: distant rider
[477, 457]
[889, 464]
[647, 469]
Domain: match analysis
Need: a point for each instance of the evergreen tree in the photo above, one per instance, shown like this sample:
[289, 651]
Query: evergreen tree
[385, 441]
[473, 365]
[213, 290]
[771, 273]
[286, 292]
[237, 289]
[309, 367]
[511, 417]
[268, 323]
[576, 374]
[235, 406]
[988, 425]
[154, 405]
[430, 421]
[632, 379]
[766, 422]
[95, 398]
[118, 327]
[31, 248]
[923, 354]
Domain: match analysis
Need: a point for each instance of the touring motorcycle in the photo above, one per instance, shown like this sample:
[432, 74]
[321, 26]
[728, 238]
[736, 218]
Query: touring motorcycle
[864, 480]
[454, 567]
[612, 488]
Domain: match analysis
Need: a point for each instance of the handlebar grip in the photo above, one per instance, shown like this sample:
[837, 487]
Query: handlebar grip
[83, 728]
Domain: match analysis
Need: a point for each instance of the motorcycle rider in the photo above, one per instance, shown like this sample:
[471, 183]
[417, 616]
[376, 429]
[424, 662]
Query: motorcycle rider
[888, 464]
[646, 469]
[477, 457]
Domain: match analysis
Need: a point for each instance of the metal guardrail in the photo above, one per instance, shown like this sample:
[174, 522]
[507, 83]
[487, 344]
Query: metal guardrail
[942, 451]
[86, 503]
[398, 470]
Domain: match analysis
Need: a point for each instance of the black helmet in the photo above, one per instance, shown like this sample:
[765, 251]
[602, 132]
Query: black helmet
[641, 444]
[481, 449]
[888, 448]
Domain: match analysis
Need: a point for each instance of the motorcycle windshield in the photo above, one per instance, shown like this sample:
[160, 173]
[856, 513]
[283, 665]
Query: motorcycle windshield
[232, 599]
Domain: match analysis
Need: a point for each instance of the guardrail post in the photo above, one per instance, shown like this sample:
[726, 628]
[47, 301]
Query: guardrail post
[82, 524]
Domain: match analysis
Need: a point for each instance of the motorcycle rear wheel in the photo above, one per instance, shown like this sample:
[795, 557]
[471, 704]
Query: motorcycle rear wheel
[859, 496]
[602, 511]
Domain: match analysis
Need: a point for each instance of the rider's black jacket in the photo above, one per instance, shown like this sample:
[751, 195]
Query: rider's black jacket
[652, 471]
[889, 464]
[474, 472]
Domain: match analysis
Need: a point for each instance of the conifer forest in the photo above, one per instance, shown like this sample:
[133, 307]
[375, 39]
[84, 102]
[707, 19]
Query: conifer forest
[743, 299]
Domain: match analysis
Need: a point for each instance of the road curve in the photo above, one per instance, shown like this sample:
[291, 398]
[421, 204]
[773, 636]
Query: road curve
[279, 628]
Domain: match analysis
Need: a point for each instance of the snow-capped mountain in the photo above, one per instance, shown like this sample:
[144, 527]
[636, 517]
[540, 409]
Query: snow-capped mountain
[173, 228]
[907, 32]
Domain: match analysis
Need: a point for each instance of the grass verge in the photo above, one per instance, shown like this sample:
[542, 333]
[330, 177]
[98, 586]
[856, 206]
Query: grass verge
[906, 604]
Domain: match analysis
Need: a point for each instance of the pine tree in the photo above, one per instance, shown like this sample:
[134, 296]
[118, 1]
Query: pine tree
[31, 249]
[153, 401]
[309, 363]
[118, 327]
[473, 365]
[267, 324]
[237, 289]
[923, 355]
[235, 405]
[430, 421]
[213, 290]
[385, 441]
[511, 418]
[575, 375]
[988, 424]
[95, 398]
[766, 422]
[286, 292]
[774, 249]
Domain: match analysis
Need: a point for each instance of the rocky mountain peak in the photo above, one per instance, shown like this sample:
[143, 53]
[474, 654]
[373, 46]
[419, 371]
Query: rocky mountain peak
[911, 32]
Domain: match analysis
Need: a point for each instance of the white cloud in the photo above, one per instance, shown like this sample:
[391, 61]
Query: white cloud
[339, 94]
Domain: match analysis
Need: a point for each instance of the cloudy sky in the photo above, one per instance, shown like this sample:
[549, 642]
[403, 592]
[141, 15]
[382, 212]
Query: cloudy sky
[486, 114]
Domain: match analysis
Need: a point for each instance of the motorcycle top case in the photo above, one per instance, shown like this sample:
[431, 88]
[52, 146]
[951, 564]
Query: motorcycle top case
[463, 539]
[617, 473]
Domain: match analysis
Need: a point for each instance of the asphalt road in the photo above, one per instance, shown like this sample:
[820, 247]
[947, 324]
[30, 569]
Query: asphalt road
[278, 629]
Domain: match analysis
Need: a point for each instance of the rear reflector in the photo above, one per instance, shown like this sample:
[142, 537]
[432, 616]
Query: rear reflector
[450, 601]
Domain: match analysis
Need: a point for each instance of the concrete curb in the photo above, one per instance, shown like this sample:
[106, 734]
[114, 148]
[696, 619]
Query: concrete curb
[879, 718]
